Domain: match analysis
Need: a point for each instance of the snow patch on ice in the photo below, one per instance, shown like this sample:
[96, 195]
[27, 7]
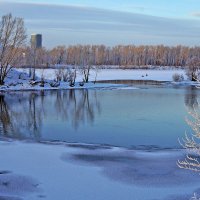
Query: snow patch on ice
[81, 171]
[12, 185]
[144, 168]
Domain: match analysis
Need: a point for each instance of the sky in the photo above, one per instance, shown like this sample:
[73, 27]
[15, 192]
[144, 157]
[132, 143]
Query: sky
[109, 22]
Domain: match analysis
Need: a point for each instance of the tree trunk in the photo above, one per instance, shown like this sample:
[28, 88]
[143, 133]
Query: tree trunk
[2, 82]
[194, 77]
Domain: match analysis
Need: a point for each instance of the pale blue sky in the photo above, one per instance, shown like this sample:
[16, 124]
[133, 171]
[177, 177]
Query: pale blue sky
[168, 22]
[162, 8]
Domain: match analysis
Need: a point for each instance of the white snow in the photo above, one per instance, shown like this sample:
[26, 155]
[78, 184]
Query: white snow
[120, 74]
[13, 82]
[62, 171]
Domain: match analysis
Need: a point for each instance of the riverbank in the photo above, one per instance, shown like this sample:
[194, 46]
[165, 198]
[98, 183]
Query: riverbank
[18, 79]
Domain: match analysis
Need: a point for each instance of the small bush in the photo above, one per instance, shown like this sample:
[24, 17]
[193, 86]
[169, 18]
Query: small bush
[58, 75]
[42, 81]
[66, 75]
[177, 77]
[72, 78]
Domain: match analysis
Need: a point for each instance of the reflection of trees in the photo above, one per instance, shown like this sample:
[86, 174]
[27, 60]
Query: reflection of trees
[22, 114]
[5, 121]
[192, 143]
[34, 116]
[191, 97]
[77, 106]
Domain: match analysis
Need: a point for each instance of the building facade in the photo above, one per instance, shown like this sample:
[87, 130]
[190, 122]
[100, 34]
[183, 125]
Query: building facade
[36, 40]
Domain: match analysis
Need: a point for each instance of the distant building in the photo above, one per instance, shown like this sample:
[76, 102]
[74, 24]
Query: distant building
[36, 40]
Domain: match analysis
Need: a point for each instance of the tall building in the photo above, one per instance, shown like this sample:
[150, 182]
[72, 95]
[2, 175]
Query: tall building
[36, 40]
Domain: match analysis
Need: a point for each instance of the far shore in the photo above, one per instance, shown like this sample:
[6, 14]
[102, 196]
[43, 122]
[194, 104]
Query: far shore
[18, 79]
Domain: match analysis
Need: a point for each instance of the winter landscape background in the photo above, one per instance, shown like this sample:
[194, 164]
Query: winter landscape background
[99, 100]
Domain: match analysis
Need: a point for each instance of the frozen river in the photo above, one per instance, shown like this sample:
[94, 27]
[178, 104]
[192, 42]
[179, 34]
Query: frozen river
[138, 117]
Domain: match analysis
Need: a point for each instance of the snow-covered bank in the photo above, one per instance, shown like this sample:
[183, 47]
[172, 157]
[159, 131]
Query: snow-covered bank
[150, 74]
[19, 80]
[120, 74]
[64, 171]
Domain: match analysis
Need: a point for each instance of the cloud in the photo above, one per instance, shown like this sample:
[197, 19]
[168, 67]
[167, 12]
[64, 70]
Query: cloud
[78, 24]
[196, 14]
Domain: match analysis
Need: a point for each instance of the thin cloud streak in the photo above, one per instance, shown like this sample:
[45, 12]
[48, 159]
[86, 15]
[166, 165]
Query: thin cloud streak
[86, 25]
[195, 14]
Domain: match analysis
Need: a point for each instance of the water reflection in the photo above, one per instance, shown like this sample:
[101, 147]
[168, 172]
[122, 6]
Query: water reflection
[191, 97]
[5, 121]
[22, 114]
[115, 117]
[81, 107]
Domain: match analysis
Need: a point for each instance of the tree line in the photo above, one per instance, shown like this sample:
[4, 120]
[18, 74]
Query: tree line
[120, 55]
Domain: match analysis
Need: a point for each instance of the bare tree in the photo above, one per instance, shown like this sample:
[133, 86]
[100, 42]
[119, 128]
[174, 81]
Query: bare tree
[12, 38]
[35, 57]
[193, 67]
[85, 62]
[58, 55]
[86, 56]
[96, 70]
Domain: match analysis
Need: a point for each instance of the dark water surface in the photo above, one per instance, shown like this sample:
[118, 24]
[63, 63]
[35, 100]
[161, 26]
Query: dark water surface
[148, 116]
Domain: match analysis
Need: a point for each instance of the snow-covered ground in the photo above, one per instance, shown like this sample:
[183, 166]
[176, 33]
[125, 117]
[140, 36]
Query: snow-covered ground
[86, 172]
[51, 171]
[120, 74]
[14, 83]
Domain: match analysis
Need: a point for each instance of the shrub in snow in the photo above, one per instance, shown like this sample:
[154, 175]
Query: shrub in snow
[71, 84]
[23, 76]
[72, 78]
[15, 83]
[193, 68]
[42, 81]
[177, 77]
[33, 83]
[59, 74]
[54, 84]
[66, 76]
[81, 84]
